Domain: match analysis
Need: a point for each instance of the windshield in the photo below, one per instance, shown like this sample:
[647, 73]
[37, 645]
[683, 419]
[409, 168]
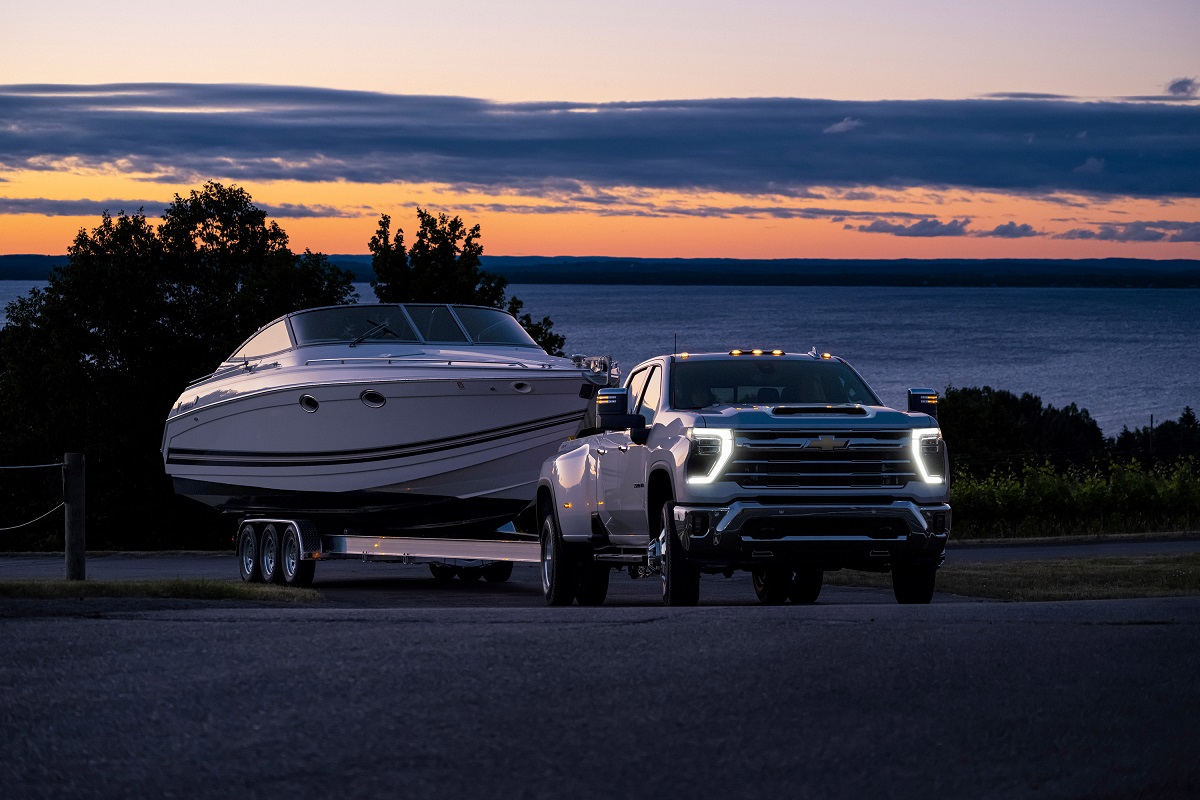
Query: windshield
[773, 381]
[352, 324]
[395, 323]
[491, 326]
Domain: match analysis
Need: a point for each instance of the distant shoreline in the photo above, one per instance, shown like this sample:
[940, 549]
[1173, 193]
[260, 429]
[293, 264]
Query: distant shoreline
[1116, 273]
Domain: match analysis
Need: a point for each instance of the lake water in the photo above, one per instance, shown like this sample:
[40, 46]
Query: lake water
[1124, 354]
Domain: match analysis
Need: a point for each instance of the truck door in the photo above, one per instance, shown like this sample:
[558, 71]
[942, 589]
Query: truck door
[623, 465]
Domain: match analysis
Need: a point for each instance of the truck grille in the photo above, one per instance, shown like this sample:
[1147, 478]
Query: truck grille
[822, 459]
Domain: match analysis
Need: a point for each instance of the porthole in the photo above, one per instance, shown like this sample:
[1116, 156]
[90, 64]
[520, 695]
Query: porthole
[522, 387]
[372, 398]
[309, 403]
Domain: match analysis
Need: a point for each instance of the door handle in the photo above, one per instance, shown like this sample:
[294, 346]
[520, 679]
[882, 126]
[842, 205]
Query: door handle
[600, 451]
[624, 448]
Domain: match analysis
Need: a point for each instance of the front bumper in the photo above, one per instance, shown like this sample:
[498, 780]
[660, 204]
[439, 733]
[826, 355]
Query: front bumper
[829, 536]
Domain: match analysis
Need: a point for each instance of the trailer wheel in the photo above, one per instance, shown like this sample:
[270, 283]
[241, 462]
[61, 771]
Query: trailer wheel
[470, 574]
[247, 553]
[806, 586]
[680, 578]
[268, 554]
[294, 570]
[498, 571]
[558, 568]
[442, 573]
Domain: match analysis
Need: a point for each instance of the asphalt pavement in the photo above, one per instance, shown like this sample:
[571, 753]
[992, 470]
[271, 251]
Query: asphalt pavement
[397, 685]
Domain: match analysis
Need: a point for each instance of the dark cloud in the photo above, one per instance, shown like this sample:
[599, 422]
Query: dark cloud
[152, 208]
[1183, 87]
[1011, 230]
[1026, 96]
[922, 228]
[188, 133]
[1189, 232]
[1123, 232]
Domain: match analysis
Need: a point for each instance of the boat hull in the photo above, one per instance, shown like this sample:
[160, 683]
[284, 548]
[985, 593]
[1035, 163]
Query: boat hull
[462, 452]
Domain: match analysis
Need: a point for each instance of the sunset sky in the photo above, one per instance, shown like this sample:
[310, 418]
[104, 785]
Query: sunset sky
[1055, 128]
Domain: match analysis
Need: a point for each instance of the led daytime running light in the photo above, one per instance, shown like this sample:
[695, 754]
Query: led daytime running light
[722, 435]
[918, 435]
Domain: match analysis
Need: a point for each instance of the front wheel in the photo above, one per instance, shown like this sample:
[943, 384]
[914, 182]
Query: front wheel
[680, 578]
[772, 585]
[913, 583]
[558, 569]
[806, 586]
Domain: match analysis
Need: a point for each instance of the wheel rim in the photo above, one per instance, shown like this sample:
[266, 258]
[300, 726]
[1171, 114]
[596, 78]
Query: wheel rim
[269, 549]
[248, 551]
[547, 553]
[664, 550]
[291, 556]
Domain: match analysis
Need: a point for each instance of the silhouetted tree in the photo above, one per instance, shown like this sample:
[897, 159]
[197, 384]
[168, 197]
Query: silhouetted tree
[988, 428]
[1166, 441]
[443, 265]
[93, 362]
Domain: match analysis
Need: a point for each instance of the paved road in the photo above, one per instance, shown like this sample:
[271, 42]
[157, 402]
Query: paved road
[388, 584]
[397, 685]
[854, 697]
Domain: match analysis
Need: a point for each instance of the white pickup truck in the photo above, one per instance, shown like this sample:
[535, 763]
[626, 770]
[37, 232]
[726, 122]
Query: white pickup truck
[785, 465]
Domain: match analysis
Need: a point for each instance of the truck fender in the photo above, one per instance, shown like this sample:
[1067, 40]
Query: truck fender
[573, 486]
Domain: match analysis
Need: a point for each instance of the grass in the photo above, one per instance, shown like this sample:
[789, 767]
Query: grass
[194, 589]
[1058, 579]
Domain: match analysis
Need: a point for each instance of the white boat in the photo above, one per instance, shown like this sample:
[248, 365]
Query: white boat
[433, 419]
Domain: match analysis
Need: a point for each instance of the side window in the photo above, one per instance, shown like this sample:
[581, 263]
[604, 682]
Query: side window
[637, 382]
[270, 340]
[650, 398]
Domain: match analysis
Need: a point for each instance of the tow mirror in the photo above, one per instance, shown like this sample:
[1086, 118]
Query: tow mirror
[923, 401]
[612, 406]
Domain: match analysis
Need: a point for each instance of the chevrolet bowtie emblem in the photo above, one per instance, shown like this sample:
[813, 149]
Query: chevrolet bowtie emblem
[826, 443]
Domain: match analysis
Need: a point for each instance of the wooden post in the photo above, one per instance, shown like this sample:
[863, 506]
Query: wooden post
[76, 520]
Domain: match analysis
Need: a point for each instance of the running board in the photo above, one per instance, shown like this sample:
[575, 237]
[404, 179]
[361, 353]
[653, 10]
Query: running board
[395, 547]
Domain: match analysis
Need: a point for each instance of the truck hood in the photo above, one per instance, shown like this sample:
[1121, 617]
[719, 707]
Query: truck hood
[809, 417]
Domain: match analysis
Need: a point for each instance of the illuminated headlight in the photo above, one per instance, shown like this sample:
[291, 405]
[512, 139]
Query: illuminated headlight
[711, 449]
[929, 454]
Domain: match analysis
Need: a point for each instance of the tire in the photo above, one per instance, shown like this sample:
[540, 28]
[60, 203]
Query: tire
[442, 573]
[680, 578]
[268, 554]
[469, 574]
[593, 582]
[913, 584]
[806, 586]
[293, 569]
[498, 571]
[558, 568]
[772, 585]
[247, 554]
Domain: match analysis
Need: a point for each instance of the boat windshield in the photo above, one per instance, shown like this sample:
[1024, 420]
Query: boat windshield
[766, 381]
[352, 324]
[492, 326]
[391, 323]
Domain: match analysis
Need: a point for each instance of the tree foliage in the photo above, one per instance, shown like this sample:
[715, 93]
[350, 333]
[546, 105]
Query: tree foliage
[989, 428]
[93, 362]
[443, 265]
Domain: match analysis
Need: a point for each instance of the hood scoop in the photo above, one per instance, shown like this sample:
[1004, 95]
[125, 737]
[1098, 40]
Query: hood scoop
[814, 410]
